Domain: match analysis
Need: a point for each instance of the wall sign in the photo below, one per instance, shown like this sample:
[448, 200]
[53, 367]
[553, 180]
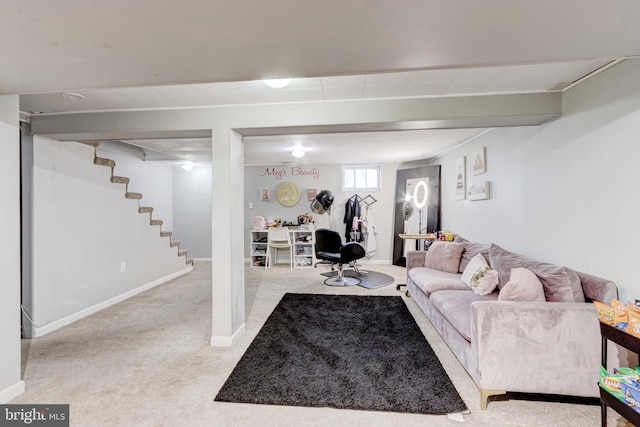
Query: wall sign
[279, 173]
[288, 194]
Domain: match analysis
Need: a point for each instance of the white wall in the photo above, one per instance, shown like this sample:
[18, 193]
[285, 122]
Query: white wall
[567, 191]
[329, 177]
[153, 180]
[192, 210]
[10, 382]
[83, 230]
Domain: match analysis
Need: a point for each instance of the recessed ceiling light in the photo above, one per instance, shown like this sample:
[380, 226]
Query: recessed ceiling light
[73, 96]
[298, 152]
[187, 166]
[277, 83]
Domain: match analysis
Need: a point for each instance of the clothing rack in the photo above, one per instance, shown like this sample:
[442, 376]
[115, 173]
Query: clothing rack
[369, 200]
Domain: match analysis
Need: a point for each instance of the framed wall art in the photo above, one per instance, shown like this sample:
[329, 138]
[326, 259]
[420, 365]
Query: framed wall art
[265, 194]
[479, 191]
[479, 162]
[461, 178]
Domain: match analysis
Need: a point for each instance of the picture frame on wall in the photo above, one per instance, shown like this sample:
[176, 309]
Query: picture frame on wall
[479, 191]
[311, 194]
[265, 194]
[461, 178]
[479, 161]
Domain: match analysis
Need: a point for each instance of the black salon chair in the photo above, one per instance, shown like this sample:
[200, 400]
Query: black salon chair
[329, 248]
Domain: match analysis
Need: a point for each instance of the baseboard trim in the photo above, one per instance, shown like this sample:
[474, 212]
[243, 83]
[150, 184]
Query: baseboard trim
[10, 393]
[222, 341]
[203, 259]
[57, 324]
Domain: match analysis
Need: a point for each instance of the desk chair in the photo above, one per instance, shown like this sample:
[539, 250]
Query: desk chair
[329, 247]
[278, 238]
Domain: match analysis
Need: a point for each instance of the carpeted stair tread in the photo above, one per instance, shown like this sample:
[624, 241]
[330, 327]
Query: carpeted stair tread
[101, 161]
[182, 252]
[189, 261]
[174, 243]
[156, 222]
[129, 195]
[145, 209]
[166, 233]
[119, 180]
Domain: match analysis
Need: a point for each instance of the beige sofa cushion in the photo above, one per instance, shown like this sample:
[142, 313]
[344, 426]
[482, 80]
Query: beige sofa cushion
[455, 306]
[444, 256]
[561, 284]
[431, 280]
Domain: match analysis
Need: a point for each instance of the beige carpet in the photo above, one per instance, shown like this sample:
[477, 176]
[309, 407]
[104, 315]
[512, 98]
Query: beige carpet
[148, 362]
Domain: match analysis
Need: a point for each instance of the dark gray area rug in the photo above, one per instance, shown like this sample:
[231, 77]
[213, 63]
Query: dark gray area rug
[368, 279]
[342, 351]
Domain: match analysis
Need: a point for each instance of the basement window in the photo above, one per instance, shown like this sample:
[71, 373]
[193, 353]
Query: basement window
[356, 178]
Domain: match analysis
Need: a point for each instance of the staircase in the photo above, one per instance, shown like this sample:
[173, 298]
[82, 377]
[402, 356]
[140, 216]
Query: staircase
[100, 161]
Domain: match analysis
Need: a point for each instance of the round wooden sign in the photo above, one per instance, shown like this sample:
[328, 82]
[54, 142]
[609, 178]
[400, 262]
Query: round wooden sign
[288, 194]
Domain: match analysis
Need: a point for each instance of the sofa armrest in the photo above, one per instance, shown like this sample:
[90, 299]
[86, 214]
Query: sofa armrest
[415, 259]
[530, 346]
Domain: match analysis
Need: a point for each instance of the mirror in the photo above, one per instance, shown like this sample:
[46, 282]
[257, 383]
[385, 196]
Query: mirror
[417, 207]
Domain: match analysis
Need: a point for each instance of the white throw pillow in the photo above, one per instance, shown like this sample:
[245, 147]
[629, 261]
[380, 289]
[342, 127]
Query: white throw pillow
[476, 263]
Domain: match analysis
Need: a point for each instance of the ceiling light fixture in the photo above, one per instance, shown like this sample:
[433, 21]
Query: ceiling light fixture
[187, 166]
[72, 96]
[298, 152]
[277, 83]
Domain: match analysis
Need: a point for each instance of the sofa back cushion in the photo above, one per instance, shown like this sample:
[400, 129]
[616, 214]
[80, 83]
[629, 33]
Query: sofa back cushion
[560, 284]
[444, 256]
[471, 249]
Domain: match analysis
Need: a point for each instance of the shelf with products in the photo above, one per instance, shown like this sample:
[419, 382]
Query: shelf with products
[258, 242]
[301, 239]
[632, 343]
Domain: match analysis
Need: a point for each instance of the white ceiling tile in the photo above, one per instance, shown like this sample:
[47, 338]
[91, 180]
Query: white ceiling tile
[345, 92]
[382, 91]
[227, 98]
[387, 79]
[429, 76]
[175, 91]
[285, 95]
[343, 81]
[468, 86]
[426, 89]
[216, 88]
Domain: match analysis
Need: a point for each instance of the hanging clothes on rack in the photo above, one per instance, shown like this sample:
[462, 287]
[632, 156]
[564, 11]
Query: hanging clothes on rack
[352, 209]
[369, 232]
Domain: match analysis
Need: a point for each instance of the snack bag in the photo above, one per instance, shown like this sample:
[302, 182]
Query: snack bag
[621, 318]
[606, 313]
[631, 395]
[613, 383]
[634, 323]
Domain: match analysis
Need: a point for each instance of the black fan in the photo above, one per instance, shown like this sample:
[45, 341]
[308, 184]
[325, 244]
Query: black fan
[322, 203]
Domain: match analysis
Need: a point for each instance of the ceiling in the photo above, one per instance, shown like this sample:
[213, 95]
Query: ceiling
[143, 54]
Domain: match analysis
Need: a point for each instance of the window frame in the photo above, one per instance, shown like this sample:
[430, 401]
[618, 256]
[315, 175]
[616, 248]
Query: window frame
[354, 168]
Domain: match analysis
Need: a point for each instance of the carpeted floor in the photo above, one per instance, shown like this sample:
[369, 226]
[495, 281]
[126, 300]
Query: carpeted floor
[148, 361]
[342, 351]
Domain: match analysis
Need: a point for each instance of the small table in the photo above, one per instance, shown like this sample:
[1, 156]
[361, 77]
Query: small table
[417, 238]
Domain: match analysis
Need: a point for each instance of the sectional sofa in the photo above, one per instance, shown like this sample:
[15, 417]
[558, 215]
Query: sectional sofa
[550, 344]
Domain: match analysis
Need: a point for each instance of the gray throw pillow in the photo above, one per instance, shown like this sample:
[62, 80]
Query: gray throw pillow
[561, 284]
[471, 249]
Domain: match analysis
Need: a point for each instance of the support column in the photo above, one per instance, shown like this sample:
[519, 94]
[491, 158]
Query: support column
[227, 279]
[11, 384]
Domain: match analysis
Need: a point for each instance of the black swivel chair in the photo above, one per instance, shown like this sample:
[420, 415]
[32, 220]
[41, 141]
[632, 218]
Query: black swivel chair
[329, 248]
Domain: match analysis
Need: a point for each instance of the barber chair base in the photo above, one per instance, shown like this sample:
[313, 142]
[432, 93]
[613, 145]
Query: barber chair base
[341, 281]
